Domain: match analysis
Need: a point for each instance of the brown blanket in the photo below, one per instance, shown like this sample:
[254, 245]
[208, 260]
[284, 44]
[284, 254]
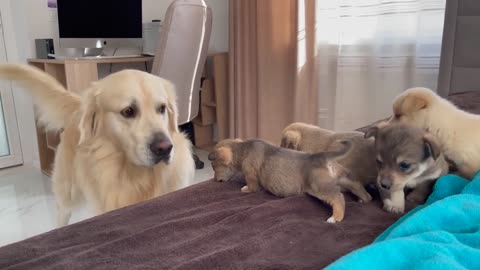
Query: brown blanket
[211, 225]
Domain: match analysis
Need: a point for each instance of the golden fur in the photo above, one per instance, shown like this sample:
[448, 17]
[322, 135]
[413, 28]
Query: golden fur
[103, 157]
[457, 131]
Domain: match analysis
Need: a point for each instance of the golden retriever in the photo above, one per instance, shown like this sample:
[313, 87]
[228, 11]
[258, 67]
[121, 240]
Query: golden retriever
[120, 142]
[456, 130]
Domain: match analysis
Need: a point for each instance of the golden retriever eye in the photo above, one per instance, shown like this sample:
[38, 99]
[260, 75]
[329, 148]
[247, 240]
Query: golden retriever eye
[129, 112]
[161, 109]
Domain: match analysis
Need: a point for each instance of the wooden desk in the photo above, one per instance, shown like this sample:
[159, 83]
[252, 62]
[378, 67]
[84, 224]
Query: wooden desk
[76, 75]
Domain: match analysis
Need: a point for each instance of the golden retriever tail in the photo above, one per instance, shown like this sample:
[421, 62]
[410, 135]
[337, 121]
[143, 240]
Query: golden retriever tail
[55, 105]
[291, 139]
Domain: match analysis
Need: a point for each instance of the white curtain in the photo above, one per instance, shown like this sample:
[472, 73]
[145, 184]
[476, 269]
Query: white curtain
[369, 51]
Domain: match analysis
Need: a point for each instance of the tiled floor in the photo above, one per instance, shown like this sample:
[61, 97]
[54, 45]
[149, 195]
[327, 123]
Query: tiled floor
[27, 204]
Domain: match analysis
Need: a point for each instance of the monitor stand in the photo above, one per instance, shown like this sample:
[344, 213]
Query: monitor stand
[79, 52]
[86, 53]
[89, 52]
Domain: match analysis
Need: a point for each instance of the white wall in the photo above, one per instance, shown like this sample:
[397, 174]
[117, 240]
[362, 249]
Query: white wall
[42, 21]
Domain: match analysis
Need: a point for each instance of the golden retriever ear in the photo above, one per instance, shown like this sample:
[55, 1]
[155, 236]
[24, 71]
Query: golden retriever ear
[408, 104]
[88, 124]
[172, 106]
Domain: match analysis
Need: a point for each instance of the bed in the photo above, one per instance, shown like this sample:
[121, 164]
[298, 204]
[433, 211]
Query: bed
[211, 225]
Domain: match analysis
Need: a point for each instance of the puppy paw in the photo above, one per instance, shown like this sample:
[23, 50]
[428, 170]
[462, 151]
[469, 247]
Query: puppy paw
[416, 197]
[394, 209]
[331, 220]
[367, 198]
[245, 189]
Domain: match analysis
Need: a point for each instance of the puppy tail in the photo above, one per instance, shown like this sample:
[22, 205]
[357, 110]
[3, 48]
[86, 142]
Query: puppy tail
[347, 146]
[291, 139]
[55, 105]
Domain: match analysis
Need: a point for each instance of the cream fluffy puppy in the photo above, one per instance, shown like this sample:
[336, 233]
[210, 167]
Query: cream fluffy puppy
[456, 130]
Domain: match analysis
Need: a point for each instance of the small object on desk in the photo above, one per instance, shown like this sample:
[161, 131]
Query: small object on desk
[44, 48]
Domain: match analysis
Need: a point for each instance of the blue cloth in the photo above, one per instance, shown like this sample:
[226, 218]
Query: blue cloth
[444, 233]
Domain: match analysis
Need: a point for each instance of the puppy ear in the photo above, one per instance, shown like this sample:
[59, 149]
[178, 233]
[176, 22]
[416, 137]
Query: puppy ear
[409, 103]
[431, 146]
[212, 156]
[171, 106]
[224, 155]
[88, 122]
[371, 132]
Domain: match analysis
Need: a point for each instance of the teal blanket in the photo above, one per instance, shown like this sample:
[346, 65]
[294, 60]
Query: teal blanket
[442, 234]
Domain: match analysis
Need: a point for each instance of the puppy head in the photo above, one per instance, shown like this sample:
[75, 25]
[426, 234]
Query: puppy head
[404, 153]
[412, 106]
[222, 158]
[134, 110]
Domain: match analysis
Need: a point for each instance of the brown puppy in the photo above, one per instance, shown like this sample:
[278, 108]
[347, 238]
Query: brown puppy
[456, 130]
[360, 160]
[285, 172]
[407, 157]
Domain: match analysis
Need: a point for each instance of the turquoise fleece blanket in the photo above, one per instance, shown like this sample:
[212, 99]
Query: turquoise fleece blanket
[444, 233]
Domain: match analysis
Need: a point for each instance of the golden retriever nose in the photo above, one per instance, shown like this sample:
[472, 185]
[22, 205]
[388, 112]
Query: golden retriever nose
[161, 146]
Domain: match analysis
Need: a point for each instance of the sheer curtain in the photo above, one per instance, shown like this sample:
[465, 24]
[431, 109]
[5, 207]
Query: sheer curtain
[371, 50]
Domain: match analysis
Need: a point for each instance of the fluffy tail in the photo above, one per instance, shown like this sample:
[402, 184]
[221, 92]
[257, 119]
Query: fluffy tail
[291, 139]
[55, 105]
[337, 154]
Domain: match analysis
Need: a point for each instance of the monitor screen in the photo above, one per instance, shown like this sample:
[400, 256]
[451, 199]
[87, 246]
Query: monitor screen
[100, 18]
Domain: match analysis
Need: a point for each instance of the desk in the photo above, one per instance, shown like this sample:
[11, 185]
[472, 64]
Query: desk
[76, 75]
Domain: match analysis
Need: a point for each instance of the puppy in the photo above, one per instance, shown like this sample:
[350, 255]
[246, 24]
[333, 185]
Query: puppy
[457, 131]
[407, 157]
[120, 143]
[360, 160]
[285, 172]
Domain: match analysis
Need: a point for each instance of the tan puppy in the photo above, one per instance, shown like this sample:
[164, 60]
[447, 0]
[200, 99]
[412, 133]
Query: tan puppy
[407, 157]
[285, 172]
[120, 143]
[457, 131]
[360, 160]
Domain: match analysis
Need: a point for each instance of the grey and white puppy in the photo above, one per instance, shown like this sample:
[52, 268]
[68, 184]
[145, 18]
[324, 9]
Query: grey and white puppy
[407, 157]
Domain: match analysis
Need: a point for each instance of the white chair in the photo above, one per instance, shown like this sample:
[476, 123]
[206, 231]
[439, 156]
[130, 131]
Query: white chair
[181, 54]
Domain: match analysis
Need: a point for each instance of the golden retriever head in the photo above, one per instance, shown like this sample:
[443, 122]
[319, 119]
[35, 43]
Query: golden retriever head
[136, 112]
[413, 105]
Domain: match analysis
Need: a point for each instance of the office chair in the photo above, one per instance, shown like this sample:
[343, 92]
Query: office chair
[181, 54]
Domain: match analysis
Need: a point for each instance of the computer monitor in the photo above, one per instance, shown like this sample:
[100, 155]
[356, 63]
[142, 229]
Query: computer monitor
[99, 23]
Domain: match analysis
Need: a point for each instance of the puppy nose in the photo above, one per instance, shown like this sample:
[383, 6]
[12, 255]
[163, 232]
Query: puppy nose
[386, 184]
[161, 146]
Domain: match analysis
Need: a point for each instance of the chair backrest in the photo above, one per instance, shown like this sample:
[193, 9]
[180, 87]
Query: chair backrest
[182, 51]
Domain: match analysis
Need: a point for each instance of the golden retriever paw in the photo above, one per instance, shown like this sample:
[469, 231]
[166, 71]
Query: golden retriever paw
[245, 189]
[390, 207]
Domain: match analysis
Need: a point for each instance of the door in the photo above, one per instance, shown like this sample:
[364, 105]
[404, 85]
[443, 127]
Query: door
[10, 150]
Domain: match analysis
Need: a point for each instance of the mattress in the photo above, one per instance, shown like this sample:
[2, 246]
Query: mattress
[211, 225]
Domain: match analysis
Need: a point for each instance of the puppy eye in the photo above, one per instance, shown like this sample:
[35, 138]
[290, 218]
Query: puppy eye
[404, 166]
[129, 112]
[379, 163]
[161, 109]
